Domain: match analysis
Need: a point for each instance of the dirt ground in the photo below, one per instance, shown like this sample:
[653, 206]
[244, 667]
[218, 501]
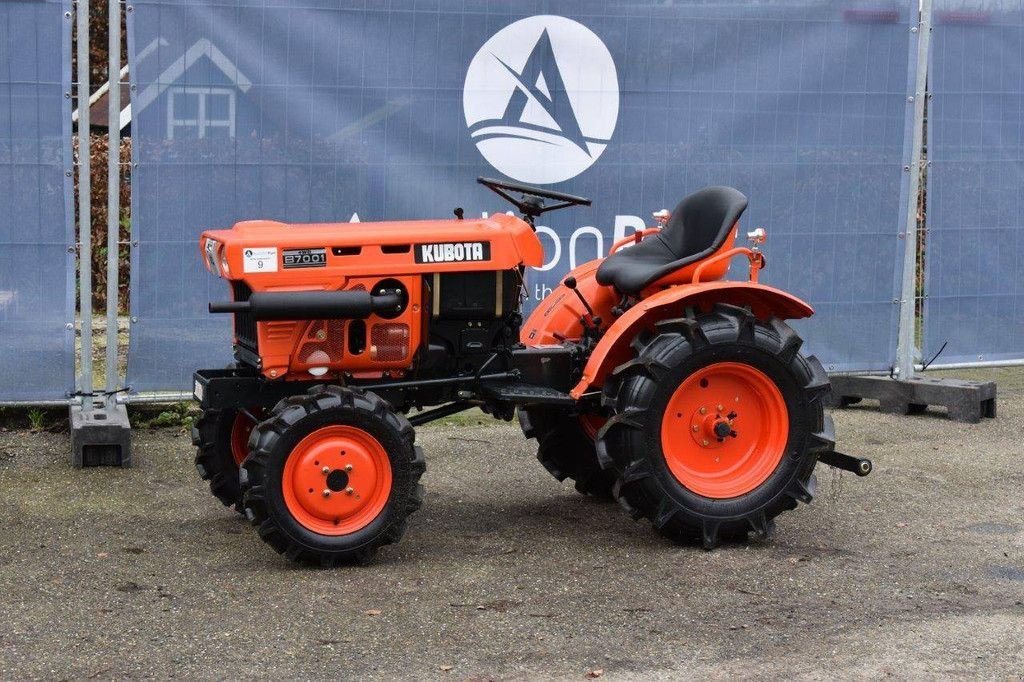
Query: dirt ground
[916, 571]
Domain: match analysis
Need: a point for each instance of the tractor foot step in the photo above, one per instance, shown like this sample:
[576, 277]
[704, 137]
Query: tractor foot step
[526, 394]
[965, 401]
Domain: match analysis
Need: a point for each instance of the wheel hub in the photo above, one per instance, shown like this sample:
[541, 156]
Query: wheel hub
[708, 428]
[723, 428]
[337, 480]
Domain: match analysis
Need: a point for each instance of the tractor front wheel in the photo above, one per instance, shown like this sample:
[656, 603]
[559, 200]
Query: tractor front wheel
[565, 446]
[333, 475]
[717, 426]
[221, 438]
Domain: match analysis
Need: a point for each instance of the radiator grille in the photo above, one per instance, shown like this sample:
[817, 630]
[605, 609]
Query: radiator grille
[245, 326]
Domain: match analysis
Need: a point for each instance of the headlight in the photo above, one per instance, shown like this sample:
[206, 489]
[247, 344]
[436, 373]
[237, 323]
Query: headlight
[224, 262]
[211, 255]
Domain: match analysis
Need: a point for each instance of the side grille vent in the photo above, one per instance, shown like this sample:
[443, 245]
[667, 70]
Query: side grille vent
[324, 344]
[245, 326]
[389, 342]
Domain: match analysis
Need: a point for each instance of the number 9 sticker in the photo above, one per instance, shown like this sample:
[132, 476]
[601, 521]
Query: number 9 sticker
[260, 260]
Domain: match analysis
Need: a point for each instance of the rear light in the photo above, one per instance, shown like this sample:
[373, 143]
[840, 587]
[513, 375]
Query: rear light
[758, 236]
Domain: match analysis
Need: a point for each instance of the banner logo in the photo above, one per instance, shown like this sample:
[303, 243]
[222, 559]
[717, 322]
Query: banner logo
[541, 99]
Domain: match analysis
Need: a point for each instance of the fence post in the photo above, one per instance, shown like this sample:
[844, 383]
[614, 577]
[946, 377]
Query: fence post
[905, 340]
[101, 433]
[113, 194]
[84, 204]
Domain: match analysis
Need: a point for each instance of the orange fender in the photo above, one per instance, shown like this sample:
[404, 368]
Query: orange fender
[613, 349]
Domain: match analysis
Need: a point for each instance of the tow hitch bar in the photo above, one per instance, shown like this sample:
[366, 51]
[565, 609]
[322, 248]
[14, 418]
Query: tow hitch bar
[858, 465]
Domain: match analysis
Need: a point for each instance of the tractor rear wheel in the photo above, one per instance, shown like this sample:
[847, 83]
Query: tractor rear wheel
[565, 446]
[221, 438]
[332, 476]
[717, 426]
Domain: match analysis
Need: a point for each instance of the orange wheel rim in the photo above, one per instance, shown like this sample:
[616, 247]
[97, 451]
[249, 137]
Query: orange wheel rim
[240, 430]
[724, 430]
[591, 424]
[337, 480]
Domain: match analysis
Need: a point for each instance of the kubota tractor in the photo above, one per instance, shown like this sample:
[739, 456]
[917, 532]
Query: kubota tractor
[645, 377]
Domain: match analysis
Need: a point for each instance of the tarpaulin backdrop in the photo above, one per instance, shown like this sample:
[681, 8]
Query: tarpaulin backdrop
[309, 111]
[974, 269]
[37, 262]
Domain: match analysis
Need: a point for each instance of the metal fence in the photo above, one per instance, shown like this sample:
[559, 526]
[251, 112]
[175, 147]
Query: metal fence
[312, 114]
[37, 255]
[974, 289]
[324, 112]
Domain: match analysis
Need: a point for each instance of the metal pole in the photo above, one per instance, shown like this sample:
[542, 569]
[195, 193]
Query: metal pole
[113, 192]
[980, 364]
[166, 397]
[84, 204]
[58, 402]
[905, 344]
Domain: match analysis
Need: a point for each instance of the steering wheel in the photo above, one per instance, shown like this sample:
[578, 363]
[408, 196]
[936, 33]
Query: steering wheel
[532, 203]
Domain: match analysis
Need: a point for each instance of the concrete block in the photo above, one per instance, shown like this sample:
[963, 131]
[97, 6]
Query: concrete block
[965, 401]
[100, 437]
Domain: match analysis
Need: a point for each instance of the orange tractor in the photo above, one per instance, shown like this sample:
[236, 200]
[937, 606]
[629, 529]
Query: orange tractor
[644, 377]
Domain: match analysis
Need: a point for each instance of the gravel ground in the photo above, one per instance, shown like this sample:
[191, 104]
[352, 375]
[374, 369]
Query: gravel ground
[916, 571]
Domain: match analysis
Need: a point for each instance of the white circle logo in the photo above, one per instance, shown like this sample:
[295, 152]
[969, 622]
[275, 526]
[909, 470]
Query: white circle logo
[541, 99]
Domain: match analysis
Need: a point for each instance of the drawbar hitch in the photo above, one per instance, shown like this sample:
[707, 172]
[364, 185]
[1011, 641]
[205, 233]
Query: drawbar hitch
[837, 460]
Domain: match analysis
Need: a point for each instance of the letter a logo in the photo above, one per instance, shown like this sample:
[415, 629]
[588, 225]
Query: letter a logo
[541, 99]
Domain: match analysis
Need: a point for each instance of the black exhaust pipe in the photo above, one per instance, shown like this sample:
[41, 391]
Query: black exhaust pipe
[313, 305]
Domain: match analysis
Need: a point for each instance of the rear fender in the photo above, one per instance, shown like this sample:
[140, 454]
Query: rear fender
[614, 347]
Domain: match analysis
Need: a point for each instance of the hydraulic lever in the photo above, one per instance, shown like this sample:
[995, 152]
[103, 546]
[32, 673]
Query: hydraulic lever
[590, 321]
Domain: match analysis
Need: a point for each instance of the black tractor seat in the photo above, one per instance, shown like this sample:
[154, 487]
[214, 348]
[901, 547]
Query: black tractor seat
[698, 227]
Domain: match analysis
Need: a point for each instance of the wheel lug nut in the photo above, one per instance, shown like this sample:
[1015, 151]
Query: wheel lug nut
[696, 428]
[705, 442]
[349, 491]
[327, 492]
[326, 470]
[719, 408]
[348, 467]
[703, 410]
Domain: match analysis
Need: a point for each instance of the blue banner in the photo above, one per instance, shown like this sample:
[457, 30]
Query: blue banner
[312, 113]
[37, 258]
[974, 277]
